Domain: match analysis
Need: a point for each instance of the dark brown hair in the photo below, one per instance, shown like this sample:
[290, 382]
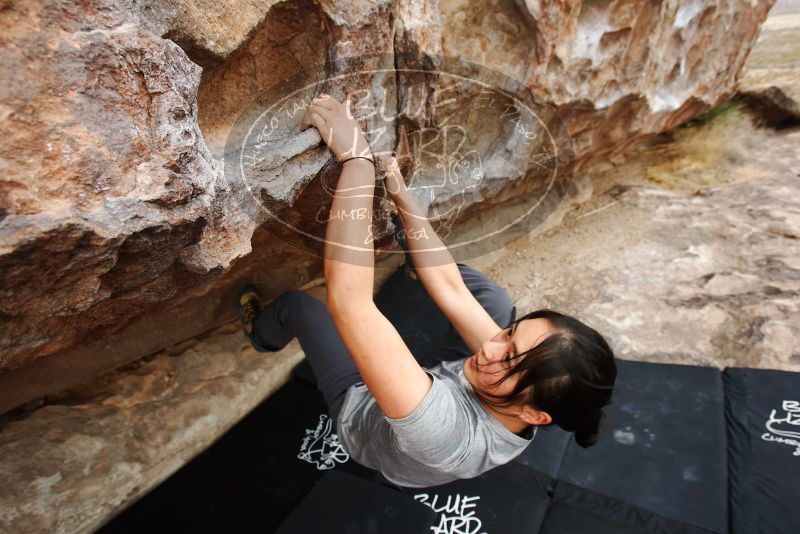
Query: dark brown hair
[569, 375]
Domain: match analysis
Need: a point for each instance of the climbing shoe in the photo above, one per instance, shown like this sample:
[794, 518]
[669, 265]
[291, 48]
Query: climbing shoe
[247, 308]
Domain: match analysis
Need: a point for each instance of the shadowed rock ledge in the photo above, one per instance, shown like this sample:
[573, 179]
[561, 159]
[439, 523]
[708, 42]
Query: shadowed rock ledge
[104, 444]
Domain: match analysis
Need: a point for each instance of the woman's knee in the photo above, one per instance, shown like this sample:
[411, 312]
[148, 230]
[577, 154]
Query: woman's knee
[299, 301]
[498, 305]
[494, 298]
[296, 305]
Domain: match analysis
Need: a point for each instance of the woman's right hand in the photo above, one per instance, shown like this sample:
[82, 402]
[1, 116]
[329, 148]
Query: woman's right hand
[337, 126]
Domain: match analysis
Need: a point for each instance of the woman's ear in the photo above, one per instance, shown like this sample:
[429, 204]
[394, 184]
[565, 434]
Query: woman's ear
[532, 416]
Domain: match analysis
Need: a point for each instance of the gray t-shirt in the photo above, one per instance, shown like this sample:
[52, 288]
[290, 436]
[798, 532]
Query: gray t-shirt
[450, 435]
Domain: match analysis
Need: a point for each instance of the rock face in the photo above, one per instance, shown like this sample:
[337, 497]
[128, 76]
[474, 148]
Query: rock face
[106, 443]
[122, 228]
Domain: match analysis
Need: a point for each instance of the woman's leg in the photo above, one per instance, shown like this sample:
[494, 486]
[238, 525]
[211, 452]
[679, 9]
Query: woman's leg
[297, 314]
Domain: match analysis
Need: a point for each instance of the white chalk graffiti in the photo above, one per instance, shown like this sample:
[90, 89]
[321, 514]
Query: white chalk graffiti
[453, 517]
[786, 428]
[321, 446]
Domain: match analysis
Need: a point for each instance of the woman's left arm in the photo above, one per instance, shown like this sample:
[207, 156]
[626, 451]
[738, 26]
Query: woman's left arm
[387, 367]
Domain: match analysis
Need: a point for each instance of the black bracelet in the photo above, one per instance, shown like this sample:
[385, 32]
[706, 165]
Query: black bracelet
[362, 157]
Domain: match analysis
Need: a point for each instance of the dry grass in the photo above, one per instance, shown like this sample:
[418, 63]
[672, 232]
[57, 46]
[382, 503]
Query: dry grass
[704, 150]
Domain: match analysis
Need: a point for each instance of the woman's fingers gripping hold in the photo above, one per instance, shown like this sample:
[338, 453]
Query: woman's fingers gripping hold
[324, 101]
[314, 116]
[337, 127]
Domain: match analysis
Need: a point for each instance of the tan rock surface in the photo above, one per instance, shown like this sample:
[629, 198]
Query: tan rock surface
[215, 28]
[94, 450]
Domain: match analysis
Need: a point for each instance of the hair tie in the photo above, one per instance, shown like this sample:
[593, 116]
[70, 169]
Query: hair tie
[361, 157]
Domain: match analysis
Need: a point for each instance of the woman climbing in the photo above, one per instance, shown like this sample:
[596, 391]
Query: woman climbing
[476, 409]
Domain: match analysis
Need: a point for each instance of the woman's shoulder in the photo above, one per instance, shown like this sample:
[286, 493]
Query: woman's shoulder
[451, 370]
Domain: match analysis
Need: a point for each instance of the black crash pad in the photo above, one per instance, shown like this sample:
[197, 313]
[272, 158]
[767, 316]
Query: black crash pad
[576, 510]
[763, 415]
[346, 504]
[509, 498]
[665, 447]
[253, 476]
[546, 451]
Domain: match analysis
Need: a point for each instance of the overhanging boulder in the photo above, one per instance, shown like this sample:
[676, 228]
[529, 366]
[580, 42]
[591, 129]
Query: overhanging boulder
[122, 232]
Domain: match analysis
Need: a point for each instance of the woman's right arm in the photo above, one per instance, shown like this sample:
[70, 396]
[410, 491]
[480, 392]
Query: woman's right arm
[435, 266]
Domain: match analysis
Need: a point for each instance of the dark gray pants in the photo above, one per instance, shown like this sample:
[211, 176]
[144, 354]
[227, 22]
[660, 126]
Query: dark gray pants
[297, 314]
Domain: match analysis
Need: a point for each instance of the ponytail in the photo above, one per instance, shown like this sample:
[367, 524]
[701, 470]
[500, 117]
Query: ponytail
[586, 427]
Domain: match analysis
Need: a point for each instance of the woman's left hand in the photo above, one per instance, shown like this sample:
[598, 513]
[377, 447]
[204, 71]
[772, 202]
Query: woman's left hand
[337, 127]
[394, 182]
